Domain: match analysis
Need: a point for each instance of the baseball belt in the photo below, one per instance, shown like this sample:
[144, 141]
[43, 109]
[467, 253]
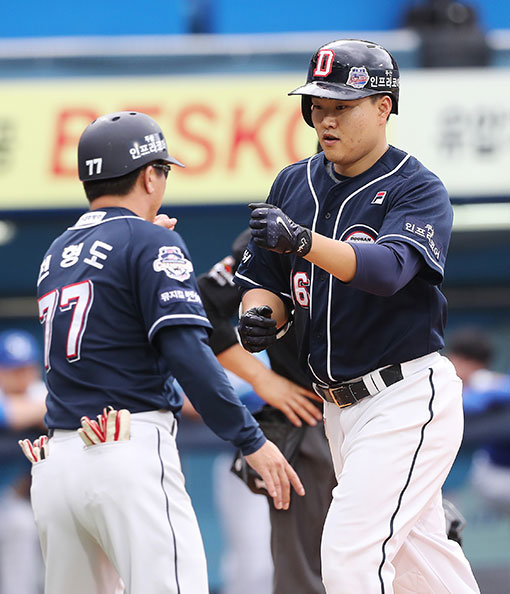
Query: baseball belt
[348, 393]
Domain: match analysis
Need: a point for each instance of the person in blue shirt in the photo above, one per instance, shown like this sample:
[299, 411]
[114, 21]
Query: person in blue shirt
[22, 394]
[350, 247]
[121, 313]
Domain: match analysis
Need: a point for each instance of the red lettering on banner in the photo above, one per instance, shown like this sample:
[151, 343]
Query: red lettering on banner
[184, 124]
[324, 64]
[294, 123]
[244, 134]
[65, 140]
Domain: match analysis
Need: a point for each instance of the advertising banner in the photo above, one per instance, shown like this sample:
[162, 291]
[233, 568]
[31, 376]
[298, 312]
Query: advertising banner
[235, 133]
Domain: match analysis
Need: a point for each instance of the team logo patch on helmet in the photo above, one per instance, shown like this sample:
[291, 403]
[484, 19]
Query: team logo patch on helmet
[358, 77]
[172, 262]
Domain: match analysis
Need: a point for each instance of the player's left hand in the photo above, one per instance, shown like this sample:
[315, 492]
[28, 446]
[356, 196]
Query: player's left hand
[257, 329]
[277, 474]
[163, 220]
[273, 230]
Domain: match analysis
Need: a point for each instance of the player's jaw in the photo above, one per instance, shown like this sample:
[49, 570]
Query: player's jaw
[349, 132]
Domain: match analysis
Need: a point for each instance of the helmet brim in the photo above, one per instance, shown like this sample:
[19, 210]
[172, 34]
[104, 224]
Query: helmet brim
[173, 161]
[332, 91]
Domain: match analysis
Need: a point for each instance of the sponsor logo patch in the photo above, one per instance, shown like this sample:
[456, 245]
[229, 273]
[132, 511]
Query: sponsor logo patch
[359, 234]
[360, 237]
[173, 295]
[152, 143]
[424, 231]
[172, 262]
[358, 77]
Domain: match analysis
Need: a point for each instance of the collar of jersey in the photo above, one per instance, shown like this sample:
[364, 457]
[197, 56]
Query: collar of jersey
[385, 163]
[112, 212]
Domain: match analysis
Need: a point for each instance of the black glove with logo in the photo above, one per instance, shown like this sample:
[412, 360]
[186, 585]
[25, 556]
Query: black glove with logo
[273, 230]
[257, 330]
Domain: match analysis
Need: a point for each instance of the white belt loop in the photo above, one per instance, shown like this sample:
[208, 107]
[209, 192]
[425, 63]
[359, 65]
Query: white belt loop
[370, 384]
[375, 376]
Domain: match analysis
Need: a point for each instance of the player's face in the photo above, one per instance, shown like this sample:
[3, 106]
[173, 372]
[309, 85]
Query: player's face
[351, 133]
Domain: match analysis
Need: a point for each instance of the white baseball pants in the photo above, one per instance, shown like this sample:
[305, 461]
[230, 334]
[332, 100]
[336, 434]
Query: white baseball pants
[117, 515]
[385, 530]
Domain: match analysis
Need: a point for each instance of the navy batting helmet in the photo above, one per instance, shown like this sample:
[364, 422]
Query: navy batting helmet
[117, 143]
[349, 69]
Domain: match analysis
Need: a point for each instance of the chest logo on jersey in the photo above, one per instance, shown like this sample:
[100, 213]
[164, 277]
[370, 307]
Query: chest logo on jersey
[172, 262]
[359, 234]
[379, 198]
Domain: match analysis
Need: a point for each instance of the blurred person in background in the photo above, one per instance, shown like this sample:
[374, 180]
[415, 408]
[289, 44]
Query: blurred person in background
[22, 408]
[295, 413]
[486, 396]
[246, 566]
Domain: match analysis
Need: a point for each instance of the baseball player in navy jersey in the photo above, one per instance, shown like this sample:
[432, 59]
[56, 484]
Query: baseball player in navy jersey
[121, 313]
[351, 245]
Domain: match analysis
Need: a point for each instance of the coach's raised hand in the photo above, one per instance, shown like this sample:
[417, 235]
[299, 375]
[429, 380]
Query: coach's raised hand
[273, 230]
[277, 474]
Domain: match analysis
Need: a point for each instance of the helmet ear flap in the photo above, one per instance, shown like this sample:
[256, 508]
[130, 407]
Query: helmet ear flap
[306, 109]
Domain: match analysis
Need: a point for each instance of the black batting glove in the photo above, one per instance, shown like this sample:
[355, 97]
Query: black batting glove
[273, 230]
[257, 329]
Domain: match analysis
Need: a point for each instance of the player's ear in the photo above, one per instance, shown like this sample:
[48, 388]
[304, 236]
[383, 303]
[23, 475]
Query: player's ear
[384, 106]
[147, 178]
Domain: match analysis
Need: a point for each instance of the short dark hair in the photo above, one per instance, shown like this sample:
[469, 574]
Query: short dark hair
[471, 343]
[115, 186]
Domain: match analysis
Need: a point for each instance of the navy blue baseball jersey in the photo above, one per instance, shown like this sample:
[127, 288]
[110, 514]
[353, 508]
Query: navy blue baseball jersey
[353, 332]
[105, 288]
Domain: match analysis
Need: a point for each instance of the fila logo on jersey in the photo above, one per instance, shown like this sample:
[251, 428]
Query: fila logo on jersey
[379, 198]
[172, 262]
[324, 64]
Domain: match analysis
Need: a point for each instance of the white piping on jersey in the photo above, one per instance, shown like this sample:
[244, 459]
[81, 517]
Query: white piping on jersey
[314, 223]
[175, 317]
[418, 244]
[311, 369]
[248, 280]
[78, 227]
[312, 270]
[330, 291]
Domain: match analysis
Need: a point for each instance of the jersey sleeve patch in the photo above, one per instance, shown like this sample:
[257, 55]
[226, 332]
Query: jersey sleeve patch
[173, 263]
[168, 296]
[425, 232]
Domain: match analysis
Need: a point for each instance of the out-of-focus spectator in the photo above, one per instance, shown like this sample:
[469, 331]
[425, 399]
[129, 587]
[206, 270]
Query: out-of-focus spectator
[486, 397]
[22, 394]
[451, 33]
[246, 565]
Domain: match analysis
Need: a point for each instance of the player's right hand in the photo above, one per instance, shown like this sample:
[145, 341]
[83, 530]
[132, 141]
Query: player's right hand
[293, 400]
[163, 220]
[277, 474]
[257, 329]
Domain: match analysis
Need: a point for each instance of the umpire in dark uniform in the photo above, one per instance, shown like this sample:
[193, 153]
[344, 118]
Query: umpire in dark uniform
[295, 533]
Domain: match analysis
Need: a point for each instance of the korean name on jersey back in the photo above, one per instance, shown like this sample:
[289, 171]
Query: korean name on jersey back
[105, 287]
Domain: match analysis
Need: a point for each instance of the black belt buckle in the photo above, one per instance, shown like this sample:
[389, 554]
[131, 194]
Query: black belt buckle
[344, 394]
